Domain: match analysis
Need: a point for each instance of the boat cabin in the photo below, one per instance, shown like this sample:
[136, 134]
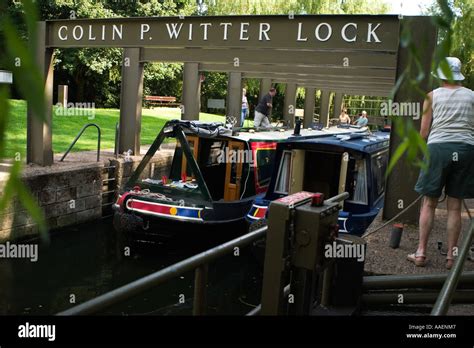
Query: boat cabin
[331, 165]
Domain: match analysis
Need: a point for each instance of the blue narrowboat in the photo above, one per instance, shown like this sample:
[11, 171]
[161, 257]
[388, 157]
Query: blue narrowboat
[355, 163]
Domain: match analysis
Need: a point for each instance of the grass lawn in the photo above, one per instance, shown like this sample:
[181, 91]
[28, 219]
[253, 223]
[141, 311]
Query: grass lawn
[65, 128]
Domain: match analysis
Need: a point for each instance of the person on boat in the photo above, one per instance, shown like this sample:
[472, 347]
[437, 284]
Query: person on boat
[448, 126]
[344, 118]
[362, 120]
[245, 107]
[263, 109]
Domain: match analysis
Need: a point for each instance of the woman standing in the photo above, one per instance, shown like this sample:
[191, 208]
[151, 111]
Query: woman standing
[245, 107]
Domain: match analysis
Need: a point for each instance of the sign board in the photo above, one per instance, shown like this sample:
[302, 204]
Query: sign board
[6, 76]
[301, 32]
[216, 104]
[299, 112]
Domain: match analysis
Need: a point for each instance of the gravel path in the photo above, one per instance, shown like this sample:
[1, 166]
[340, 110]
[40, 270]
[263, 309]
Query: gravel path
[382, 259]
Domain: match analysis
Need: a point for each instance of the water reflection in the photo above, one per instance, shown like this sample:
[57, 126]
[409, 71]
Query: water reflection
[85, 261]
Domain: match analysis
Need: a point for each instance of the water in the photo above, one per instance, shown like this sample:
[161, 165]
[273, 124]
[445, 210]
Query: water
[88, 260]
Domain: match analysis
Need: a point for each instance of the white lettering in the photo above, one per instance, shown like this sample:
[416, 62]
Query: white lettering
[371, 33]
[90, 34]
[173, 33]
[117, 30]
[316, 32]
[74, 34]
[244, 27]
[144, 28]
[343, 32]
[226, 27]
[300, 26]
[205, 26]
[190, 34]
[61, 37]
[264, 31]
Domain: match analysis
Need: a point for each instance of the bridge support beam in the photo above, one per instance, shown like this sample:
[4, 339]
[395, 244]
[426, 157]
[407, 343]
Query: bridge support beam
[265, 85]
[290, 103]
[131, 101]
[337, 104]
[191, 92]
[324, 107]
[309, 99]
[39, 149]
[234, 97]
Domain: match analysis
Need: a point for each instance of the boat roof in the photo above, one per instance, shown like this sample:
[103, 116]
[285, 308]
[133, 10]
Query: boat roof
[287, 134]
[218, 129]
[363, 142]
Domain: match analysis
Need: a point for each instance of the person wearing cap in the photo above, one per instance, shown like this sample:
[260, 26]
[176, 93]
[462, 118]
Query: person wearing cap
[448, 127]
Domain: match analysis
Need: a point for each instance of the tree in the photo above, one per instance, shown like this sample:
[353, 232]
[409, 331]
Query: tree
[462, 42]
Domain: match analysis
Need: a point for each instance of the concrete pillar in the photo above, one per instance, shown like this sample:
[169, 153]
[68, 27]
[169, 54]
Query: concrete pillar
[191, 91]
[324, 107]
[289, 105]
[63, 95]
[337, 104]
[309, 99]
[131, 101]
[234, 96]
[265, 85]
[39, 148]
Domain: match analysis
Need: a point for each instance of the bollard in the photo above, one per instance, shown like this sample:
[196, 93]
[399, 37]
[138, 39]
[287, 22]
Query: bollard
[396, 236]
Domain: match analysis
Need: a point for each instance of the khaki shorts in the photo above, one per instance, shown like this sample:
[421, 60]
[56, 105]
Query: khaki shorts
[451, 167]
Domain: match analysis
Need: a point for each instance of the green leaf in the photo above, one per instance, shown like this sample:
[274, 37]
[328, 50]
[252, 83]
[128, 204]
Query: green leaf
[397, 155]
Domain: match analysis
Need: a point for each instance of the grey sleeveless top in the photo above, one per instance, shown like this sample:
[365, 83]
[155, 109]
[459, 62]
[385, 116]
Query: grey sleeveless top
[453, 116]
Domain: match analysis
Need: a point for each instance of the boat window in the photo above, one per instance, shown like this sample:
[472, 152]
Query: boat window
[359, 183]
[321, 172]
[379, 166]
[212, 163]
[216, 150]
[283, 178]
[169, 180]
[264, 165]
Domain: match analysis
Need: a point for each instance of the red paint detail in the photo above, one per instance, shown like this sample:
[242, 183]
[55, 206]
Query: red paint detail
[317, 200]
[260, 145]
[121, 199]
[295, 198]
[260, 213]
[161, 209]
[137, 188]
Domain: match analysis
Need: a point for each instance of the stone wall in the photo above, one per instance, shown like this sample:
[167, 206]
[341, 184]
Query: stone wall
[73, 193]
[66, 197]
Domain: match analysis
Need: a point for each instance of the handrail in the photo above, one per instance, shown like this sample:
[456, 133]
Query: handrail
[143, 284]
[446, 294]
[77, 138]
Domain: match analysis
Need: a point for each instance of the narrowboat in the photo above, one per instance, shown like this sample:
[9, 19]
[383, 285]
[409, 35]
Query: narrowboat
[216, 174]
[355, 163]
